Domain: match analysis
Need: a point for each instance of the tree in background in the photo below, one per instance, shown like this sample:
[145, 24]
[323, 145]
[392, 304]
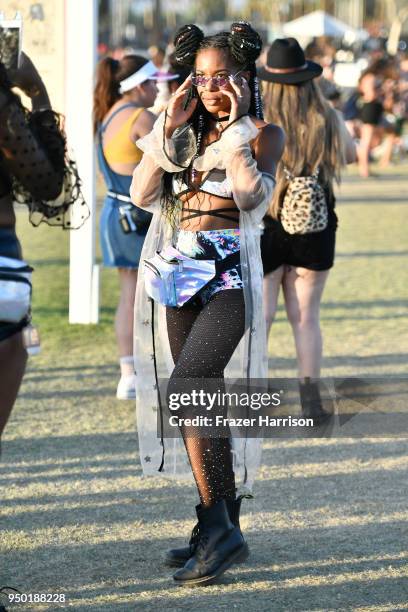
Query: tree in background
[104, 21]
[210, 10]
[259, 10]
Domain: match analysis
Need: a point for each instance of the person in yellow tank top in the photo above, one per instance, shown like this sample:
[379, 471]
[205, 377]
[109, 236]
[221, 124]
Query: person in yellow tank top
[120, 149]
[124, 90]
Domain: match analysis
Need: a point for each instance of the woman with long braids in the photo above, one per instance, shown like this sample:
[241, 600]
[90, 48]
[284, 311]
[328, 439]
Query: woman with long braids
[298, 242]
[208, 173]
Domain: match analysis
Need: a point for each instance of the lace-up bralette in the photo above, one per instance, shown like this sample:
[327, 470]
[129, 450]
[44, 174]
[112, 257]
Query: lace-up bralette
[216, 183]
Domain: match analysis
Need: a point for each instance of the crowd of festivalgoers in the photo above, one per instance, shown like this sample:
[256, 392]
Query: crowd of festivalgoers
[374, 107]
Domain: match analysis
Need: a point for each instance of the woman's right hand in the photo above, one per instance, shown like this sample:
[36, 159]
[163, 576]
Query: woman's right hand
[177, 115]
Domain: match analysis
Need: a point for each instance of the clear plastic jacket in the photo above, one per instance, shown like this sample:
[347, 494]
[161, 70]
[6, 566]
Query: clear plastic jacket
[252, 192]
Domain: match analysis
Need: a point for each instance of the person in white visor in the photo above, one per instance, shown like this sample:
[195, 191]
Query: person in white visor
[124, 91]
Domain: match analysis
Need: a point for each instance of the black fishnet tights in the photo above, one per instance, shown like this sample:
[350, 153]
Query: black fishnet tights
[202, 341]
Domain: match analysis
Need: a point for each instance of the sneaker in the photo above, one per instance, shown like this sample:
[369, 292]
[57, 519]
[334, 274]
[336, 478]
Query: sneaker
[126, 388]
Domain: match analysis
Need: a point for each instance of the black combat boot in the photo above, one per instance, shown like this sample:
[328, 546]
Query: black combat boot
[177, 557]
[220, 545]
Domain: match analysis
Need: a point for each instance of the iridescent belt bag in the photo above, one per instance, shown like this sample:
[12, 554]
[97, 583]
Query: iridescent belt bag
[172, 278]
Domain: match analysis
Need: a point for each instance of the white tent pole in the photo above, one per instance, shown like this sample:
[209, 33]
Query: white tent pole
[80, 61]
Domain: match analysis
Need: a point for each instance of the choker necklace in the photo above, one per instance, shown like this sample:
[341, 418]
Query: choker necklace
[219, 121]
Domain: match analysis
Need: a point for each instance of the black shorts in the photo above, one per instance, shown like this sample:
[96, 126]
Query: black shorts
[371, 113]
[314, 251]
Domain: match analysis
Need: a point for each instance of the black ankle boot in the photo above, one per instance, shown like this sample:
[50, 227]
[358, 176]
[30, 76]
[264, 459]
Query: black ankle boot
[177, 557]
[219, 546]
[311, 402]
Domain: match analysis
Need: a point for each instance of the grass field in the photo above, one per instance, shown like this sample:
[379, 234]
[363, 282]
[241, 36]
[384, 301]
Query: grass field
[328, 526]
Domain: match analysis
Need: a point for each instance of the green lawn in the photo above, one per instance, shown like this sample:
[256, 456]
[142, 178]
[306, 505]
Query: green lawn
[47, 249]
[364, 314]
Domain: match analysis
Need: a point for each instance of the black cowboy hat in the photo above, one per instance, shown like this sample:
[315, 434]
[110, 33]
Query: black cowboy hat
[286, 64]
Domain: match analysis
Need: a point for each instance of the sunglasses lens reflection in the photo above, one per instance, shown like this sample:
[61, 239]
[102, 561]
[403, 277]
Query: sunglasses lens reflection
[218, 81]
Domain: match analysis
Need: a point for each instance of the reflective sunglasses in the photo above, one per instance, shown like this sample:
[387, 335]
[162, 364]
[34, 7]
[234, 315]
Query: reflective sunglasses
[198, 80]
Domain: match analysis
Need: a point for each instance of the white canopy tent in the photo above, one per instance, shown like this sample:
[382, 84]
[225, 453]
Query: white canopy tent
[320, 23]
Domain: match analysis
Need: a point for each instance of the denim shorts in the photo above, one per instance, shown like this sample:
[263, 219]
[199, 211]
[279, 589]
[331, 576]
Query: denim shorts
[119, 250]
[9, 243]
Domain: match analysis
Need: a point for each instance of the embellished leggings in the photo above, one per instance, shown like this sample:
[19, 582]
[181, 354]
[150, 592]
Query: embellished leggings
[203, 338]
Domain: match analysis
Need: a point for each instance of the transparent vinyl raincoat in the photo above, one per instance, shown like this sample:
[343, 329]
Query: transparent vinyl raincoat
[252, 193]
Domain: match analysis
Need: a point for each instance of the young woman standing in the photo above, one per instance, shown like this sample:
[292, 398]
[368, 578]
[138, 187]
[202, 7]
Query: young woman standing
[208, 172]
[318, 144]
[124, 90]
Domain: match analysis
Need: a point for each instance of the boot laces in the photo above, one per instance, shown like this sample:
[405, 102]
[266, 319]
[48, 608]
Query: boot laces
[195, 537]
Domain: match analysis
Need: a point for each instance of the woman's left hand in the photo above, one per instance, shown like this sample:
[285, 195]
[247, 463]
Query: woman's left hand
[240, 97]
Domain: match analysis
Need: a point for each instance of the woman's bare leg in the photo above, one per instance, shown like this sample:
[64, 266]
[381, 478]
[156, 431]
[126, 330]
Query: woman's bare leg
[389, 142]
[13, 359]
[124, 313]
[303, 290]
[271, 286]
[363, 151]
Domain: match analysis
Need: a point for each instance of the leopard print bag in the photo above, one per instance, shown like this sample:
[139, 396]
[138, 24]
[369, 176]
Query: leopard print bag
[304, 207]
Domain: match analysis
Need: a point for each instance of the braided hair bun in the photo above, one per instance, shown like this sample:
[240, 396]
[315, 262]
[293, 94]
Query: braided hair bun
[186, 44]
[245, 43]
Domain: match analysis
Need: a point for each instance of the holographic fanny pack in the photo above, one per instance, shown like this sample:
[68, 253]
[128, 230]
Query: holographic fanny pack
[172, 278]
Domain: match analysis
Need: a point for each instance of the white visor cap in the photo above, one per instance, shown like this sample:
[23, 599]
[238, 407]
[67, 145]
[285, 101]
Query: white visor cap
[147, 72]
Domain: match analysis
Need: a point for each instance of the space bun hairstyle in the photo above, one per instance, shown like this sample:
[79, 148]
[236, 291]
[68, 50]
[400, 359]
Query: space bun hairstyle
[245, 43]
[186, 44]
